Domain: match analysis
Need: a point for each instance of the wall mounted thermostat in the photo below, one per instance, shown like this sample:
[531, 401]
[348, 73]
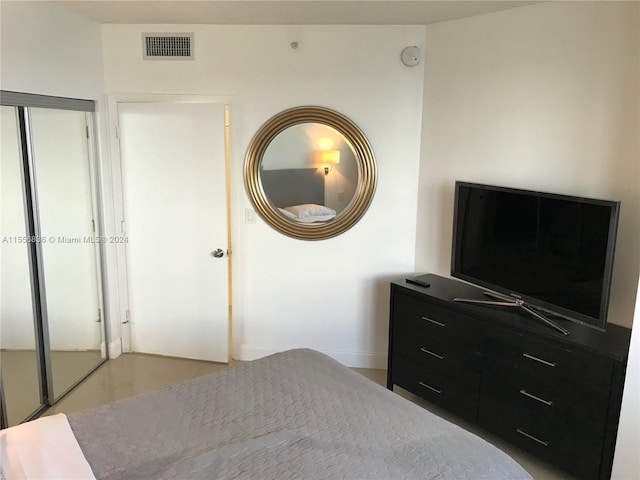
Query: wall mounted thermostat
[410, 56]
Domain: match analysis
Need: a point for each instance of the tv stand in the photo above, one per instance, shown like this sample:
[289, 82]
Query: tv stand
[504, 301]
[556, 396]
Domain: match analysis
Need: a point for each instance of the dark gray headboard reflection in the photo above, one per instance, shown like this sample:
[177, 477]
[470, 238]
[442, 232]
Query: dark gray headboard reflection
[294, 186]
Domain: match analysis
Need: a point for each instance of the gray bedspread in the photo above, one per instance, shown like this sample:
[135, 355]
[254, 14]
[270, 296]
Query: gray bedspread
[297, 414]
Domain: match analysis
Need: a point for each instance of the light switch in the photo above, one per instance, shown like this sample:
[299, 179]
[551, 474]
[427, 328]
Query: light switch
[249, 215]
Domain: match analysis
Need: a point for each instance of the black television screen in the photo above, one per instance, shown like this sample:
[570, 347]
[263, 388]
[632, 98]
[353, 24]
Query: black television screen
[554, 252]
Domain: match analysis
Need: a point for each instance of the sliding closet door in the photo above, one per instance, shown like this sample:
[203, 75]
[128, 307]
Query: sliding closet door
[70, 254]
[19, 355]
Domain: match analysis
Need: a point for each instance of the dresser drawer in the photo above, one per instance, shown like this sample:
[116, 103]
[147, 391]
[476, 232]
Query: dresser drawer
[439, 389]
[579, 454]
[437, 321]
[556, 396]
[411, 339]
[543, 360]
[565, 405]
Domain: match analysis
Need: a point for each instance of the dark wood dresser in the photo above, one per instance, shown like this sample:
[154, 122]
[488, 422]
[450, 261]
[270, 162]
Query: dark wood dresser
[555, 396]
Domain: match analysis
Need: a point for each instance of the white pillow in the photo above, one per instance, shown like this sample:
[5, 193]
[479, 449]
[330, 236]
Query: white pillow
[287, 214]
[317, 218]
[310, 212]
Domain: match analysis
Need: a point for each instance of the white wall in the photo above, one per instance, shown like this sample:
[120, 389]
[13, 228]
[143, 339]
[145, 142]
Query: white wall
[294, 147]
[543, 97]
[626, 462]
[48, 50]
[330, 295]
[342, 181]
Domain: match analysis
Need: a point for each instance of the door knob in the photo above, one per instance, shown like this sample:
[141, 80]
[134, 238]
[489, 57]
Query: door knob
[217, 253]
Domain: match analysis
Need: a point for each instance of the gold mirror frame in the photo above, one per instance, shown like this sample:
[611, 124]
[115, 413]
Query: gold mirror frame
[364, 159]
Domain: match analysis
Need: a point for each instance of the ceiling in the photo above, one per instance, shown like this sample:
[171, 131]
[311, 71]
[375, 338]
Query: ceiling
[285, 12]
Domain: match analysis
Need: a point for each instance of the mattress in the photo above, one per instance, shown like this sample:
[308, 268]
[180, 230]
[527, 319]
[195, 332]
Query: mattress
[297, 414]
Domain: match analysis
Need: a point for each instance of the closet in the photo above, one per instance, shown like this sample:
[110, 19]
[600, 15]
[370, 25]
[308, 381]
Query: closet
[51, 300]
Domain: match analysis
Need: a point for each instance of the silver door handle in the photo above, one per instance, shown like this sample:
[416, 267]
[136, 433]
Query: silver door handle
[217, 253]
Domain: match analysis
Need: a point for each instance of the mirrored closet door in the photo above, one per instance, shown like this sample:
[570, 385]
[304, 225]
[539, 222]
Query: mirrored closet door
[19, 360]
[52, 334]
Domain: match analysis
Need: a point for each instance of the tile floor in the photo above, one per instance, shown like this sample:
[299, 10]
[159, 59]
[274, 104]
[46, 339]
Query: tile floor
[133, 374]
[129, 375]
[20, 377]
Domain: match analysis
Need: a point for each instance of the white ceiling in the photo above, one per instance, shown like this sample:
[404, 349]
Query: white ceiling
[285, 12]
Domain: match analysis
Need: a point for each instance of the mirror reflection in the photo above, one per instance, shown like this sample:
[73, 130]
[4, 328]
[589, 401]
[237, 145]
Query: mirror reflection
[306, 167]
[19, 362]
[51, 329]
[70, 263]
[310, 172]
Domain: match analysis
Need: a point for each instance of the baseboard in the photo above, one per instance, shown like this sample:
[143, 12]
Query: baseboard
[350, 359]
[115, 348]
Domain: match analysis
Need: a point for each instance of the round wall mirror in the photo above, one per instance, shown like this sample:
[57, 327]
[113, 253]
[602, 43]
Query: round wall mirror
[310, 173]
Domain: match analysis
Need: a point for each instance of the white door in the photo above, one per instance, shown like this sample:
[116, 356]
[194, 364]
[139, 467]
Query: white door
[173, 161]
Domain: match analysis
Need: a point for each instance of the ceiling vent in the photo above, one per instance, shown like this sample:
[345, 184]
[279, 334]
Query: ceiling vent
[167, 46]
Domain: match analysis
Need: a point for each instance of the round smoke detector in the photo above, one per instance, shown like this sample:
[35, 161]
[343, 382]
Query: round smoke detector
[410, 56]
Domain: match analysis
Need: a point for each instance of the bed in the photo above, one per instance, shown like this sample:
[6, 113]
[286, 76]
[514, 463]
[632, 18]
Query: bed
[298, 194]
[296, 414]
[293, 186]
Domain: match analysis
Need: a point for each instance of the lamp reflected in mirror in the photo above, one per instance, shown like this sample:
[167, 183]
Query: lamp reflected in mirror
[295, 169]
[326, 159]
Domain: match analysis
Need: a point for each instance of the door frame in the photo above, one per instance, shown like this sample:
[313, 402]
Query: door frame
[123, 328]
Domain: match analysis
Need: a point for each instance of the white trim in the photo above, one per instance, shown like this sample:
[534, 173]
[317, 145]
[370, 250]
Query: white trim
[115, 348]
[376, 360]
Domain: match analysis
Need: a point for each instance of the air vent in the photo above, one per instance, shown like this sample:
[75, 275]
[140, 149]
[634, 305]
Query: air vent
[167, 46]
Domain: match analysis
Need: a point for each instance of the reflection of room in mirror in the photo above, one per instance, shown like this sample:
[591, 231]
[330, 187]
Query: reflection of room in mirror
[73, 339]
[291, 174]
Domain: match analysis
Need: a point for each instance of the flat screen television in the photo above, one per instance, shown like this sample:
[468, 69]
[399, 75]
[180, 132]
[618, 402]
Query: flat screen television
[554, 252]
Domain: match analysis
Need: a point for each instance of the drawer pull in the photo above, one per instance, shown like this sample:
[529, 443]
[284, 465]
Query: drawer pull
[531, 357]
[434, 322]
[530, 395]
[541, 442]
[439, 357]
[430, 388]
